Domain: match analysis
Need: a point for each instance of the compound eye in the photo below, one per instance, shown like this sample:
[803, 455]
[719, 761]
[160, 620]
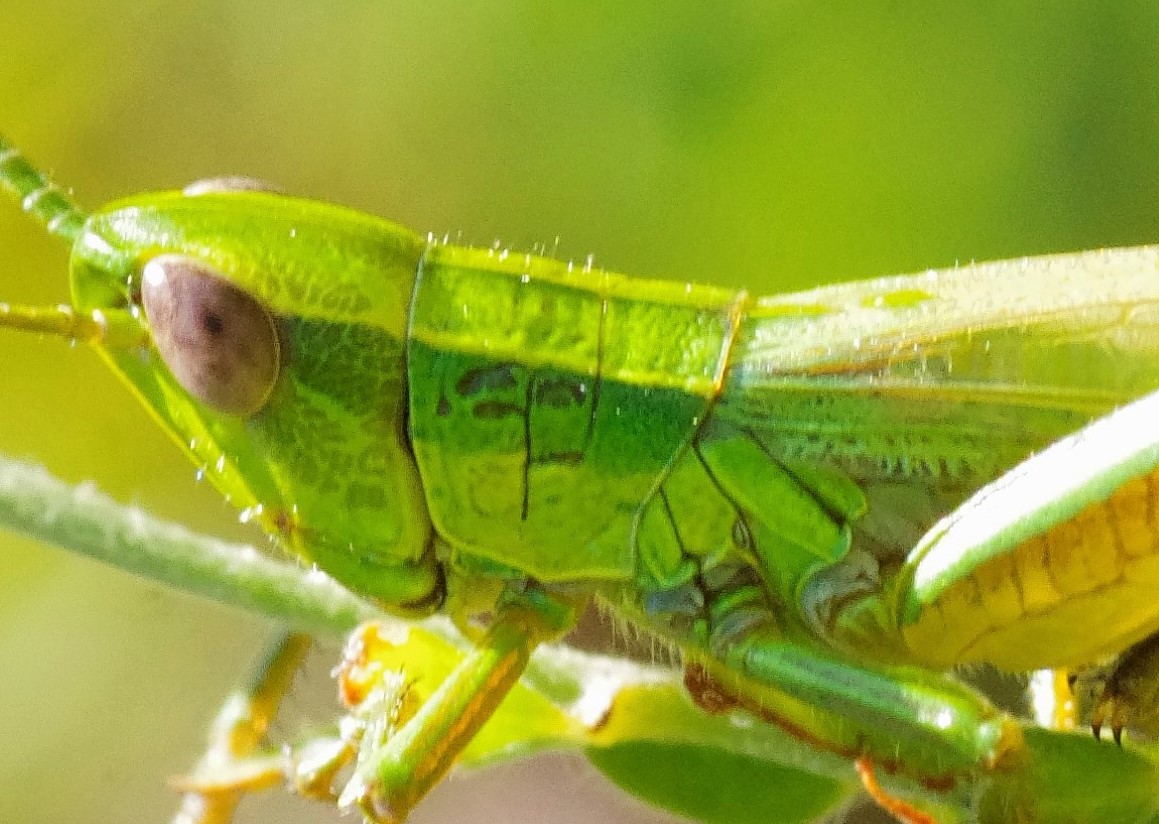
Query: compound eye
[221, 345]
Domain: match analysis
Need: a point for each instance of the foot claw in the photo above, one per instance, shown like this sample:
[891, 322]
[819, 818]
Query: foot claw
[1122, 693]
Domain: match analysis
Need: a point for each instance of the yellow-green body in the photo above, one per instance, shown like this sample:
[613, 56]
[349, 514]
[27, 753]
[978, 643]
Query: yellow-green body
[760, 481]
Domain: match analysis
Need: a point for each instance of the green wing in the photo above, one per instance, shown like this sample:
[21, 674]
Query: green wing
[923, 387]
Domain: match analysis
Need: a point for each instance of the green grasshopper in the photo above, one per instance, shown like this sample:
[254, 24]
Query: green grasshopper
[824, 500]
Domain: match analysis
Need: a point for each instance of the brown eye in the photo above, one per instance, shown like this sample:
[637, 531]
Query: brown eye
[221, 344]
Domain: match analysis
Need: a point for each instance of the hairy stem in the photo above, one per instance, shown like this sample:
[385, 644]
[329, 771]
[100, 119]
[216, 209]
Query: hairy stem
[85, 521]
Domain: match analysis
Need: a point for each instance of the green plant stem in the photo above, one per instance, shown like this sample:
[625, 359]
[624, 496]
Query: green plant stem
[85, 521]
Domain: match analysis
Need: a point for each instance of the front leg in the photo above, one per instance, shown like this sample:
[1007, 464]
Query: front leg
[395, 775]
[234, 763]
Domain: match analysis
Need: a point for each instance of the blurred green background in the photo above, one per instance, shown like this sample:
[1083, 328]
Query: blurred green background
[772, 145]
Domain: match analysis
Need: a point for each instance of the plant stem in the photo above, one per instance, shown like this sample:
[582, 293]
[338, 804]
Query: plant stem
[83, 520]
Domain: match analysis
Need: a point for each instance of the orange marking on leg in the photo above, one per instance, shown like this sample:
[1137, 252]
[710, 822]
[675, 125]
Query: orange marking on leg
[896, 807]
[715, 697]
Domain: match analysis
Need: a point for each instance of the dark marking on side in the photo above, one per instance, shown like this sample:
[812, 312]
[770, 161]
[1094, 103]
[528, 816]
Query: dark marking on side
[571, 457]
[598, 378]
[444, 407]
[558, 393]
[489, 410]
[486, 378]
[526, 506]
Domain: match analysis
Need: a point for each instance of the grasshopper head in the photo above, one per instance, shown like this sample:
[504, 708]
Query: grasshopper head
[267, 335]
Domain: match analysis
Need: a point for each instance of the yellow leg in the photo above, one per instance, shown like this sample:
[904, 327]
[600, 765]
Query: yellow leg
[229, 768]
[392, 779]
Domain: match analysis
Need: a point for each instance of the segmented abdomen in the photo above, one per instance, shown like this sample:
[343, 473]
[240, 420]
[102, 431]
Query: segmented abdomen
[1036, 605]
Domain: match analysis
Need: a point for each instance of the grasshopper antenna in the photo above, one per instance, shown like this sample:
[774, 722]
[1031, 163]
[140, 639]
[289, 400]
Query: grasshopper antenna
[37, 195]
[61, 217]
